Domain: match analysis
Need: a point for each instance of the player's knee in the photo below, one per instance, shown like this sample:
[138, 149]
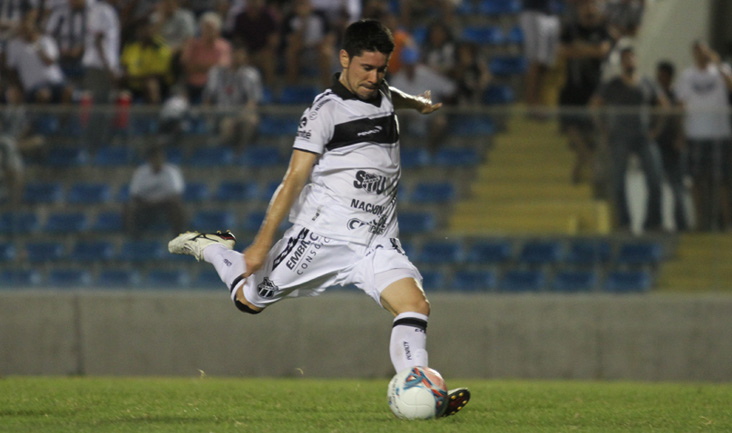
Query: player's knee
[244, 308]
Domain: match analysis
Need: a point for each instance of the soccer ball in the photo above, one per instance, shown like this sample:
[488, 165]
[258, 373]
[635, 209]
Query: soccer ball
[417, 393]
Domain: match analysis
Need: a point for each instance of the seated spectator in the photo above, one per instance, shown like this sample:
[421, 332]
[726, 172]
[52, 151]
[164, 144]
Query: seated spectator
[471, 74]
[12, 13]
[34, 59]
[415, 78]
[146, 66]
[439, 48]
[156, 191]
[175, 24]
[237, 89]
[309, 40]
[202, 53]
[256, 28]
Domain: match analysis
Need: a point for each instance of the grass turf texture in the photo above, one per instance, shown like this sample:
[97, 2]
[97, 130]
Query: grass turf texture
[207, 404]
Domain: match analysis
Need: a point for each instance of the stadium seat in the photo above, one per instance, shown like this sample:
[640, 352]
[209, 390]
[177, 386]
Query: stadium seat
[574, 281]
[433, 280]
[237, 191]
[628, 282]
[450, 158]
[43, 193]
[540, 253]
[123, 194]
[441, 252]
[420, 34]
[69, 278]
[499, 7]
[114, 156]
[212, 220]
[588, 252]
[116, 278]
[7, 251]
[417, 222]
[89, 193]
[195, 192]
[268, 190]
[415, 158]
[211, 157]
[143, 251]
[108, 222]
[144, 125]
[65, 157]
[39, 252]
[174, 155]
[515, 36]
[92, 251]
[503, 66]
[259, 157]
[483, 35]
[517, 280]
[469, 125]
[490, 252]
[498, 94]
[19, 222]
[167, 278]
[20, 278]
[208, 278]
[298, 94]
[64, 223]
[474, 281]
[639, 254]
[434, 192]
[277, 126]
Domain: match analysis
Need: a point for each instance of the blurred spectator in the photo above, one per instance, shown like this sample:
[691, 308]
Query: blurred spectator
[156, 191]
[202, 53]
[402, 39]
[541, 27]
[415, 78]
[131, 13]
[471, 74]
[12, 172]
[309, 40]
[704, 91]
[11, 15]
[147, 72]
[67, 24]
[628, 131]
[101, 51]
[238, 90]
[584, 46]
[175, 24]
[670, 139]
[229, 10]
[257, 29]
[33, 57]
[340, 13]
[411, 11]
[439, 47]
[624, 17]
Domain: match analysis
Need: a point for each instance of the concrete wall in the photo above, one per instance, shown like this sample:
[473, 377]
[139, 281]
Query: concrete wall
[345, 334]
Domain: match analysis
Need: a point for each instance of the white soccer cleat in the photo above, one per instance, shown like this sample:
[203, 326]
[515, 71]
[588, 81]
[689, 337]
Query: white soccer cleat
[193, 243]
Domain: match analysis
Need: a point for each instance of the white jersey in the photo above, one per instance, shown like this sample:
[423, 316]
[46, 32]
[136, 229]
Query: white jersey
[705, 95]
[353, 186]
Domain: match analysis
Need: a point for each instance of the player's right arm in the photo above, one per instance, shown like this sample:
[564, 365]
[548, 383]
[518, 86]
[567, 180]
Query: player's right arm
[298, 172]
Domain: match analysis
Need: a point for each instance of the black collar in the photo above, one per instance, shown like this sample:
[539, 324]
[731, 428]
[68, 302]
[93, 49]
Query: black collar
[341, 90]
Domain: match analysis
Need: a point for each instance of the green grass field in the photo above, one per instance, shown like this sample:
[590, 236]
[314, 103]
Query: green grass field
[206, 404]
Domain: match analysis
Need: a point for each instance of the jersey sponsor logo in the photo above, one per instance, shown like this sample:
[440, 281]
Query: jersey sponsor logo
[303, 122]
[316, 108]
[377, 226]
[267, 288]
[361, 205]
[375, 130]
[382, 130]
[301, 251]
[304, 134]
[371, 183]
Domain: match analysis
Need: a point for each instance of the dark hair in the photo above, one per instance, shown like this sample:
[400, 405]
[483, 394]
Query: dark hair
[667, 67]
[367, 35]
[627, 50]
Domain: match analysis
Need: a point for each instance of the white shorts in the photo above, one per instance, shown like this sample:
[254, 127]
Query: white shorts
[541, 36]
[304, 263]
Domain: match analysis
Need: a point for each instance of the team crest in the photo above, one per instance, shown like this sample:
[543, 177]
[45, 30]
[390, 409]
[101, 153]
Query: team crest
[267, 288]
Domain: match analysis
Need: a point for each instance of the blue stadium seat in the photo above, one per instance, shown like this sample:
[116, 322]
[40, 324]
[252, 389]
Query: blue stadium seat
[268, 190]
[420, 34]
[628, 282]
[237, 191]
[637, 254]
[464, 157]
[212, 220]
[39, 252]
[211, 157]
[43, 193]
[517, 280]
[64, 157]
[195, 192]
[499, 7]
[415, 158]
[540, 253]
[117, 278]
[114, 156]
[168, 278]
[503, 66]
[498, 94]
[66, 223]
[277, 126]
[20, 278]
[69, 278]
[433, 280]
[123, 194]
[490, 252]
[7, 251]
[589, 252]
[258, 157]
[474, 281]
[469, 125]
[108, 222]
[574, 281]
[483, 35]
[89, 193]
[298, 94]
[92, 251]
[19, 222]
[174, 155]
[434, 192]
[441, 252]
[144, 125]
[417, 222]
[208, 278]
[515, 36]
[143, 251]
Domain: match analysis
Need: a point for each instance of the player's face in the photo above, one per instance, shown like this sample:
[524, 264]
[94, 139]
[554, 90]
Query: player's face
[363, 74]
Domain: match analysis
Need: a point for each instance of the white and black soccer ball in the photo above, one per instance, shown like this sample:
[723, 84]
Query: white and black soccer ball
[417, 393]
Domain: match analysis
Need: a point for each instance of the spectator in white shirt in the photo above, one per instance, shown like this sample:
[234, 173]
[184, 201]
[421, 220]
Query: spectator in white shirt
[101, 50]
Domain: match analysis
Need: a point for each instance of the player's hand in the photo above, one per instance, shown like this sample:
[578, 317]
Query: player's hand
[254, 258]
[427, 106]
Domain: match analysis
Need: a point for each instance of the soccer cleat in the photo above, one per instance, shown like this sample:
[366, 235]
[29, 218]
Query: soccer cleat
[456, 400]
[193, 243]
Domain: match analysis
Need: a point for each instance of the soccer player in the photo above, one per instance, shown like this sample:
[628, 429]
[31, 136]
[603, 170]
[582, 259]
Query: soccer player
[340, 191]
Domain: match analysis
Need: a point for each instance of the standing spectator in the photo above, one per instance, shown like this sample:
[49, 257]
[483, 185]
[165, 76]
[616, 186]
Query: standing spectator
[624, 17]
[202, 53]
[704, 91]
[541, 27]
[256, 27]
[33, 57]
[147, 72]
[309, 40]
[156, 191]
[670, 139]
[237, 89]
[175, 24]
[67, 24]
[11, 15]
[439, 48]
[471, 74]
[101, 51]
[584, 46]
[628, 132]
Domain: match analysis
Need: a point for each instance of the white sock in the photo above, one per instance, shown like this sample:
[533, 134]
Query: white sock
[229, 264]
[408, 341]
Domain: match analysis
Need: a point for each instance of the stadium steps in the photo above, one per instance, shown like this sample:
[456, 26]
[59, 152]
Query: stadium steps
[702, 263]
[524, 188]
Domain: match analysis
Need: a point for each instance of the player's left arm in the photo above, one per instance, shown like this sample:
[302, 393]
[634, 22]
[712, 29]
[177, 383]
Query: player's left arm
[422, 103]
